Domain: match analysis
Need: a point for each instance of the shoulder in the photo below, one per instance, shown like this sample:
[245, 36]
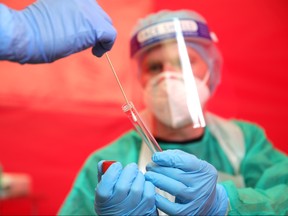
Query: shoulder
[248, 128]
[251, 132]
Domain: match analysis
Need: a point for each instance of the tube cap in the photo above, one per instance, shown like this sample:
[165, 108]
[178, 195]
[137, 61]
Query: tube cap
[106, 165]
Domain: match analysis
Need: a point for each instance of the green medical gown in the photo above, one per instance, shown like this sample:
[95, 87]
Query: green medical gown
[264, 169]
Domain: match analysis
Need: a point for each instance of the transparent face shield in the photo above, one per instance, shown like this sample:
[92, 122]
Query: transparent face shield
[172, 74]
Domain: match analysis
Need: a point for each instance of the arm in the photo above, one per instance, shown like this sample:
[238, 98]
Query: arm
[52, 29]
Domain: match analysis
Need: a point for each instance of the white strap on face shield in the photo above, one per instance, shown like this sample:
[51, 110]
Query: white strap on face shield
[193, 102]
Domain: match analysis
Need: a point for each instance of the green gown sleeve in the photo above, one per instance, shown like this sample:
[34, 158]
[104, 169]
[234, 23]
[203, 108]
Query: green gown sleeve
[265, 171]
[80, 200]
[81, 197]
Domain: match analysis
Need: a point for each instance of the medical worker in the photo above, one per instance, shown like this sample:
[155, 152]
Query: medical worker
[52, 29]
[227, 167]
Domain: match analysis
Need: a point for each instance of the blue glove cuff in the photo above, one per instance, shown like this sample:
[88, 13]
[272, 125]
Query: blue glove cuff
[222, 201]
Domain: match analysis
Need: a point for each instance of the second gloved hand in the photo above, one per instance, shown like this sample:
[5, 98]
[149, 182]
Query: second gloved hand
[193, 182]
[124, 192]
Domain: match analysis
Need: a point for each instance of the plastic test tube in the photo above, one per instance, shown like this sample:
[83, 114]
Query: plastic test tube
[137, 122]
[141, 128]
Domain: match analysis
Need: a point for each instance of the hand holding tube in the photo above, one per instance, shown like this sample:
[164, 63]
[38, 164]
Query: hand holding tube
[124, 192]
[193, 182]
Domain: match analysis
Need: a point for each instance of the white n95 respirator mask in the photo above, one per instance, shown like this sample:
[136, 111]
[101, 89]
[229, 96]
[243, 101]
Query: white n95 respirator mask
[165, 96]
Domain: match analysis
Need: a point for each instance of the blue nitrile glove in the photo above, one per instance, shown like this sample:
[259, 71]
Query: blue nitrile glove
[51, 29]
[124, 192]
[193, 182]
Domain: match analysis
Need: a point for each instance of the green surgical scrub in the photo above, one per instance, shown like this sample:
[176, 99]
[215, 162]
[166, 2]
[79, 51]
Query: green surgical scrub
[264, 169]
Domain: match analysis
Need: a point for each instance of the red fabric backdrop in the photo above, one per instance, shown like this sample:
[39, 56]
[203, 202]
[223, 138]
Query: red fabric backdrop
[53, 116]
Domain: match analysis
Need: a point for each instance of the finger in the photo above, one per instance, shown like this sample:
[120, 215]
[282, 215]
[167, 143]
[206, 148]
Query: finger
[149, 193]
[166, 206]
[177, 159]
[147, 202]
[167, 184]
[136, 191]
[104, 42]
[105, 187]
[196, 182]
[174, 173]
[171, 172]
[124, 182]
[168, 171]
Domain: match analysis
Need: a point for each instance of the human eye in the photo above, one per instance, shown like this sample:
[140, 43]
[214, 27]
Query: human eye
[154, 67]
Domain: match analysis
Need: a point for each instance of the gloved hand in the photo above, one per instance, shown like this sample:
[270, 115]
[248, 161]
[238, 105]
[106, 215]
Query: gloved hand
[193, 182]
[124, 192]
[51, 29]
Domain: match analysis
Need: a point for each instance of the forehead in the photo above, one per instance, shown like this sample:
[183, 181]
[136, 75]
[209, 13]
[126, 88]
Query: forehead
[166, 51]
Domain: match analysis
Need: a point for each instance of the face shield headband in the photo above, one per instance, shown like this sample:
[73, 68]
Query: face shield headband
[165, 30]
